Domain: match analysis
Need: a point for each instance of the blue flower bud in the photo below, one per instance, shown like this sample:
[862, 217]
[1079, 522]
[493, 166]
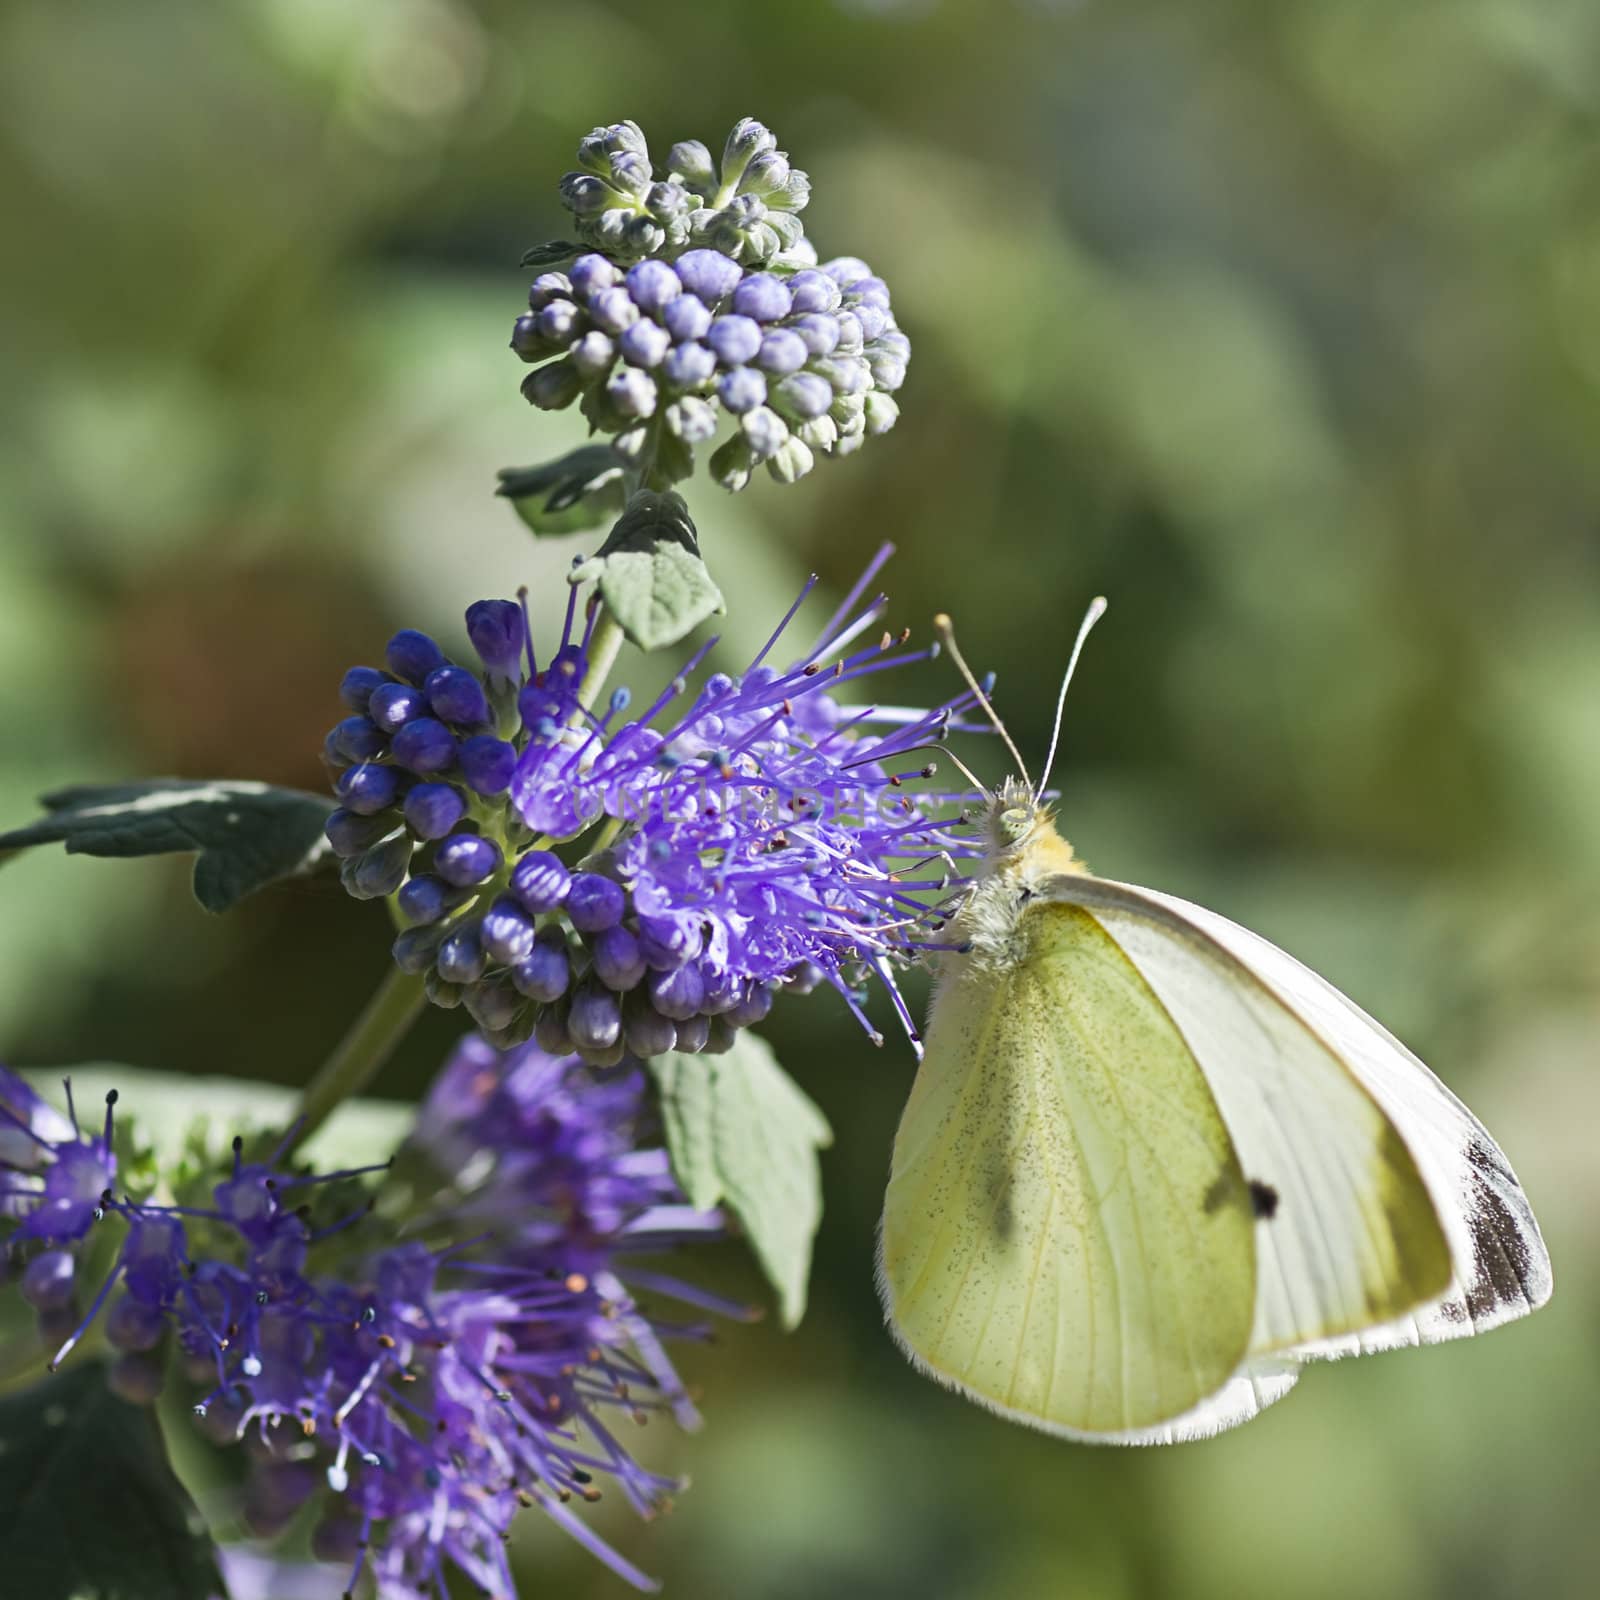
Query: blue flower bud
[762, 297]
[433, 809]
[818, 331]
[424, 745]
[412, 655]
[415, 949]
[359, 739]
[632, 392]
[691, 419]
[847, 374]
[368, 789]
[708, 273]
[584, 194]
[498, 633]
[594, 1020]
[653, 284]
[378, 871]
[350, 833]
[455, 695]
[765, 432]
[466, 858]
[720, 1038]
[425, 898]
[547, 971]
[742, 389]
[631, 173]
[691, 161]
[461, 958]
[668, 943]
[548, 286]
[48, 1280]
[646, 1032]
[731, 464]
[593, 354]
[645, 343]
[782, 352]
[594, 902]
[668, 203]
[753, 1008]
[540, 881]
[852, 336]
[872, 319]
[804, 394]
[846, 270]
[507, 932]
[687, 366]
[678, 993]
[736, 339]
[553, 387]
[618, 961]
[687, 318]
[641, 236]
[590, 273]
[487, 764]
[748, 139]
[691, 1035]
[393, 705]
[612, 310]
[526, 340]
[613, 138]
[813, 290]
[355, 689]
[558, 324]
[767, 174]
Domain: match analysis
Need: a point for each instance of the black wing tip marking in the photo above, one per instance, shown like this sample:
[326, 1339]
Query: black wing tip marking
[1263, 1200]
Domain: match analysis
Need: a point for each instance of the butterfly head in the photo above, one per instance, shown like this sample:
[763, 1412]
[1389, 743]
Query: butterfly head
[1014, 818]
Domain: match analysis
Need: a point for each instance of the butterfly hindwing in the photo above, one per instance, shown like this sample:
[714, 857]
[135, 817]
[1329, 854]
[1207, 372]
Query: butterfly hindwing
[1069, 1235]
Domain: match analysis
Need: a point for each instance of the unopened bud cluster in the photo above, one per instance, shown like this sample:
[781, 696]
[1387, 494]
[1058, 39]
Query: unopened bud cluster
[727, 316]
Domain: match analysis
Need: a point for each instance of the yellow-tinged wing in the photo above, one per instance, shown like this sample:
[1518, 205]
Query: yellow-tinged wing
[1068, 1234]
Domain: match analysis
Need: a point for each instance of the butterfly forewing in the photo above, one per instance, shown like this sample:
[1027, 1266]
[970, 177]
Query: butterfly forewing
[1068, 1234]
[1499, 1266]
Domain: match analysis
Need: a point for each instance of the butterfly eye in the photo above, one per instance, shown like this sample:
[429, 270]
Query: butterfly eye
[1015, 822]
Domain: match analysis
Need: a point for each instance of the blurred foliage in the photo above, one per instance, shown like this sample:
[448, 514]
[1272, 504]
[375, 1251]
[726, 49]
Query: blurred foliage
[1279, 323]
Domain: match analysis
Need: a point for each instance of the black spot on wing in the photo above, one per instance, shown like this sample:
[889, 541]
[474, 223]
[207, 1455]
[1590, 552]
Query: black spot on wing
[1500, 1258]
[1263, 1199]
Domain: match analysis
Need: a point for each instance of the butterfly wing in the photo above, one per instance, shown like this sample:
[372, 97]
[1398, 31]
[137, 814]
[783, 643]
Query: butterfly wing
[1068, 1236]
[1398, 1219]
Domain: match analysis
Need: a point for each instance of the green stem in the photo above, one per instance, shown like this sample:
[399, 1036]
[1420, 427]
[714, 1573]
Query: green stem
[604, 644]
[363, 1050]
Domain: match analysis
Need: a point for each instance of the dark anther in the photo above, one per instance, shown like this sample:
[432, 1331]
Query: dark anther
[111, 1097]
[1263, 1199]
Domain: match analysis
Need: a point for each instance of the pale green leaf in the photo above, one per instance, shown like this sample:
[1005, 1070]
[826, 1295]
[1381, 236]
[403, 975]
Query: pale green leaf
[741, 1131]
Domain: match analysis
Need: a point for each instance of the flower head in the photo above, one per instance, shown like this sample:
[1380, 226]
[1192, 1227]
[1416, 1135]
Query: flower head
[423, 1392]
[634, 885]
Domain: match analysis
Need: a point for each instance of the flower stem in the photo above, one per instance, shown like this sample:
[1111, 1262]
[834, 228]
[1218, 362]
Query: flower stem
[604, 644]
[363, 1050]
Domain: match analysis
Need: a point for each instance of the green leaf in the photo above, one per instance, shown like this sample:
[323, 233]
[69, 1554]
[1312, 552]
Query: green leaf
[739, 1129]
[180, 1115]
[650, 573]
[571, 495]
[551, 254]
[247, 834]
[89, 1508]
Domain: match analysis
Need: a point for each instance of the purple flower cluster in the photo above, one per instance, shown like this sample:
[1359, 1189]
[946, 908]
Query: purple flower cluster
[422, 1393]
[806, 362]
[746, 206]
[761, 838]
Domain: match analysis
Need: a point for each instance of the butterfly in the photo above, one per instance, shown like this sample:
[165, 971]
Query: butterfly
[1151, 1164]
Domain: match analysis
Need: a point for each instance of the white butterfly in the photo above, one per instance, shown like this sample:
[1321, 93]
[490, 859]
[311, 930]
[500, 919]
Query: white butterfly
[1151, 1164]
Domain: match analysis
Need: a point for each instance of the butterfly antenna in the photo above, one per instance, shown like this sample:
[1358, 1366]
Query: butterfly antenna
[1097, 609]
[945, 629]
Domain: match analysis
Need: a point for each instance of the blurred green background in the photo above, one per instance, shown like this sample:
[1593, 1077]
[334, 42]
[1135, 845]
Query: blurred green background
[1279, 323]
